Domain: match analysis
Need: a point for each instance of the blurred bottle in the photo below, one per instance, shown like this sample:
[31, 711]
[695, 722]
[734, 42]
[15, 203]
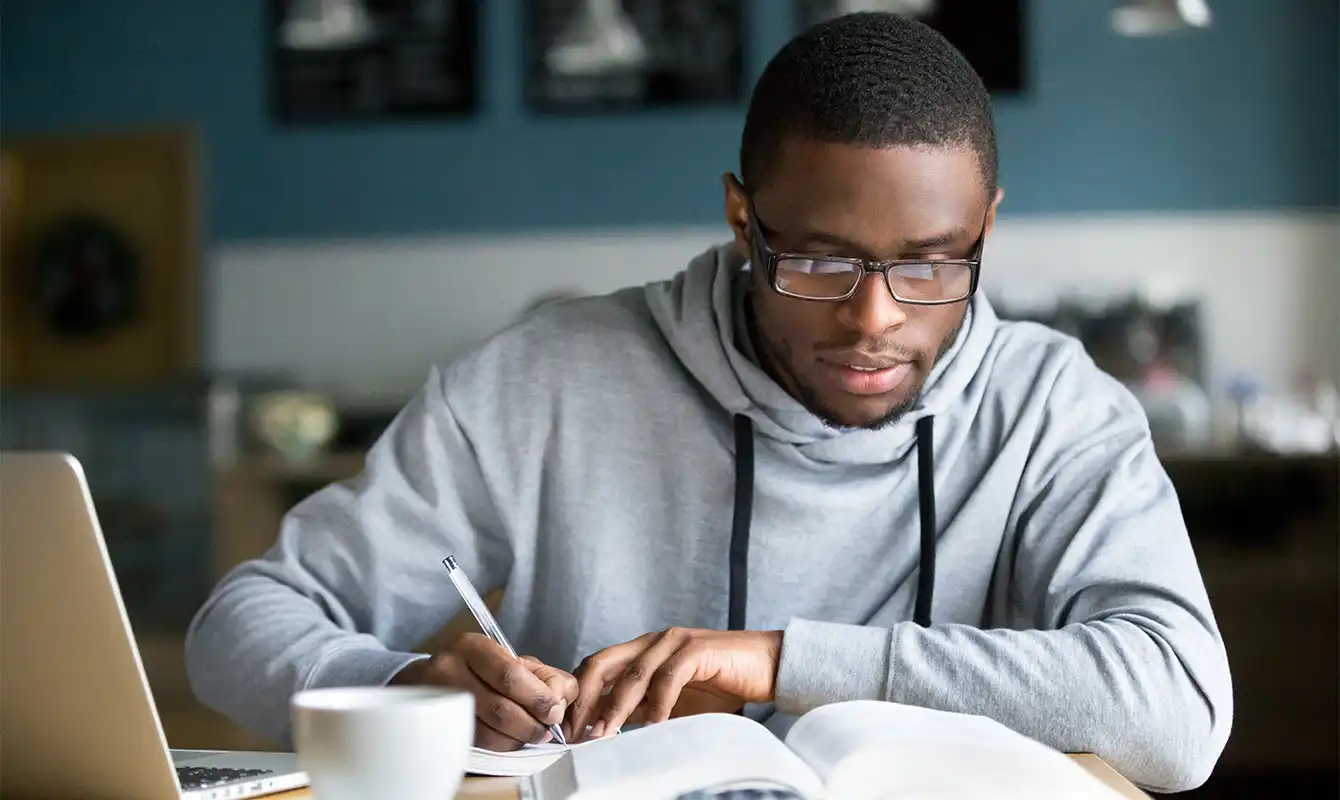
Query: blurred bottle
[1177, 408]
[1324, 400]
[224, 412]
[1243, 392]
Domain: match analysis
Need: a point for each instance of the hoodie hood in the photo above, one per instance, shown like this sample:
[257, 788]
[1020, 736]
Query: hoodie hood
[698, 313]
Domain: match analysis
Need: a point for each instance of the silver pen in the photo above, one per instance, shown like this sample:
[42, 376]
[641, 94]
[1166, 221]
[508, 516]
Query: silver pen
[486, 621]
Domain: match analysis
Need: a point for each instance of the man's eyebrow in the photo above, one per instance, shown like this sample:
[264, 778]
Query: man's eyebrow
[809, 236]
[938, 240]
[820, 237]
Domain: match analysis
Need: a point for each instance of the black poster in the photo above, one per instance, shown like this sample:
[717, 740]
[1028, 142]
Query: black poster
[989, 34]
[351, 60]
[610, 55]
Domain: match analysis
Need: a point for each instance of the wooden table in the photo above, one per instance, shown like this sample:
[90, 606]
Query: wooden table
[506, 788]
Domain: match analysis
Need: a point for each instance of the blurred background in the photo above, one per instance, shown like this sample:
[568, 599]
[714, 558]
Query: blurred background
[235, 235]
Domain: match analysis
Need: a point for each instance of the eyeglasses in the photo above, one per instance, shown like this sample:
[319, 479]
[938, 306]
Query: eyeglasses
[924, 282]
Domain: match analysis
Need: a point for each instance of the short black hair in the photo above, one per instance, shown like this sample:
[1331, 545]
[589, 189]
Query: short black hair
[872, 79]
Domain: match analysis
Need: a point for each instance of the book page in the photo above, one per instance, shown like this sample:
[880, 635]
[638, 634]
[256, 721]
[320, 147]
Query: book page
[905, 751]
[515, 763]
[681, 755]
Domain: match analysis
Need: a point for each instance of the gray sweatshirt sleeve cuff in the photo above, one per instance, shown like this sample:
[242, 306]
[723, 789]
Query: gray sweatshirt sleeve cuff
[359, 666]
[827, 662]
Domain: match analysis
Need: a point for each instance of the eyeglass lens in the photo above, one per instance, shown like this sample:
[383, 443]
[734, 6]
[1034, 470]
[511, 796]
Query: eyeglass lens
[821, 279]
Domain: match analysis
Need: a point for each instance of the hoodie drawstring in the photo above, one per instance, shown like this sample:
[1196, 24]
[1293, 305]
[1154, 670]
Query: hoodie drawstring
[744, 508]
[744, 512]
[926, 510]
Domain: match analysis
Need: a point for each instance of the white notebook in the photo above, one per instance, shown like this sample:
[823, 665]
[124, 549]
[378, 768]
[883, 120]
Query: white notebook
[854, 750]
[515, 763]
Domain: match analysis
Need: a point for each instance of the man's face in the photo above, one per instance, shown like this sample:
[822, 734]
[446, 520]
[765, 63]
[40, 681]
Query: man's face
[825, 199]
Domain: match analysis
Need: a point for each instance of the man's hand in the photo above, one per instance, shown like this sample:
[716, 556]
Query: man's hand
[515, 700]
[722, 671]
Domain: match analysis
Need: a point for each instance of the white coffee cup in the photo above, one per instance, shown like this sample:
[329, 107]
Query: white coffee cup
[406, 742]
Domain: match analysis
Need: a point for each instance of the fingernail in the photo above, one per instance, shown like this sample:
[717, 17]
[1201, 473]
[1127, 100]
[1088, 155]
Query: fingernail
[556, 713]
[598, 729]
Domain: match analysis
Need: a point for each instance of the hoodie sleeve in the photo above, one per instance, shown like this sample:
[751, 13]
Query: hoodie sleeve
[355, 580]
[1113, 648]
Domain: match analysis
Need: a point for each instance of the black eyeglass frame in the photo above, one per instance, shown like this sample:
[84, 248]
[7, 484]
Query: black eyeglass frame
[771, 257]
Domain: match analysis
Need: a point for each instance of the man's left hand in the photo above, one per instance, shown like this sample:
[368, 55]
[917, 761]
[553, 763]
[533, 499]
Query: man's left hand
[646, 676]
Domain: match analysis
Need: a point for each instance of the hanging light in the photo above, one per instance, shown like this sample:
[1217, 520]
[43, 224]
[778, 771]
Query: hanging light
[325, 24]
[1154, 17]
[599, 39]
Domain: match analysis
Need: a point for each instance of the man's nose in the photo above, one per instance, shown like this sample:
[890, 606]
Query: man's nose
[872, 310]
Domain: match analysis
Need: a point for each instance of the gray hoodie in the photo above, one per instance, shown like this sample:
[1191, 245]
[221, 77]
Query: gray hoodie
[585, 460]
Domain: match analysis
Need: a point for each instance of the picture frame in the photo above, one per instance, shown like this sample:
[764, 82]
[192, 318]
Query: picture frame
[991, 35]
[618, 56]
[339, 61]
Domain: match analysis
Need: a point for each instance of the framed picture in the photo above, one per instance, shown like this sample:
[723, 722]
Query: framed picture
[99, 272]
[365, 60]
[590, 56]
[991, 35]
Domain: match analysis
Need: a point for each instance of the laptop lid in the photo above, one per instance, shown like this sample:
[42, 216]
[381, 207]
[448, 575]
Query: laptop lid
[77, 718]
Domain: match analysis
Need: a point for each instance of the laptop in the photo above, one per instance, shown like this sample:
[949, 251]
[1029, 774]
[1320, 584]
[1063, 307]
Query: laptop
[77, 718]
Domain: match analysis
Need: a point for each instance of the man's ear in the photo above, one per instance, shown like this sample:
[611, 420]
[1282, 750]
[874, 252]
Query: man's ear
[737, 213]
[991, 212]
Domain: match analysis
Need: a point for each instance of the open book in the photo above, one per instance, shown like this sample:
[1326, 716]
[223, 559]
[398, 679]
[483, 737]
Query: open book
[862, 749]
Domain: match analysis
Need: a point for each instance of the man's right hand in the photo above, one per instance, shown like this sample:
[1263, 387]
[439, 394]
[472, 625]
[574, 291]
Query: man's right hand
[515, 700]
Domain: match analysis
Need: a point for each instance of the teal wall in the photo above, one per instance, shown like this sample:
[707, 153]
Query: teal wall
[1241, 116]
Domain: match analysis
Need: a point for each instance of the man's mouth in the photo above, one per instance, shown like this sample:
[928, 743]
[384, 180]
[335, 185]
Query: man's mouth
[867, 375]
[864, 361]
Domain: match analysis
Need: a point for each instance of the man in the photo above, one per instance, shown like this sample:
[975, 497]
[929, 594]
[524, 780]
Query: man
[812, 467]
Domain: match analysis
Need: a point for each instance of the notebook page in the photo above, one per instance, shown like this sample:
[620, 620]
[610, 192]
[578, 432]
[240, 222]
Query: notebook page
[515, 763]
[926, 753]
[679, 755]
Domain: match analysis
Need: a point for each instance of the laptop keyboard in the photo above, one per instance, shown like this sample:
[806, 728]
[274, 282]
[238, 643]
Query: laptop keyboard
[201, 777]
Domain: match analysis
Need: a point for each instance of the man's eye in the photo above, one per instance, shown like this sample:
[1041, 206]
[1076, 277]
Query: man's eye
[815, 266]
[923, 272]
